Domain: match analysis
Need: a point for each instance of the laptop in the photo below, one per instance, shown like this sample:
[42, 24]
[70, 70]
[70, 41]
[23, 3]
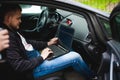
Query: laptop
[65, 36]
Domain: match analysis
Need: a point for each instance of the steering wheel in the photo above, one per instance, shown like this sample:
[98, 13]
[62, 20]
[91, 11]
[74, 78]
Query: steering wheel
[56, 17]
[42, 20]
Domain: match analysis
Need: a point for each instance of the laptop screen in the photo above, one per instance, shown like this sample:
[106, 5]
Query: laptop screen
[65, 35]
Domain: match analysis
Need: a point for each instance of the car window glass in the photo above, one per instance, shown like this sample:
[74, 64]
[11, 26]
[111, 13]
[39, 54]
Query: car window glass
[106, 26]
[118, 21]
[117, 24]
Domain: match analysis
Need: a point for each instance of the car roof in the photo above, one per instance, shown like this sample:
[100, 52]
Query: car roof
[67, 2]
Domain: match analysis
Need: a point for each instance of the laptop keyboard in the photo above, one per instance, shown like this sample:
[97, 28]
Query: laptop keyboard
[56, 49]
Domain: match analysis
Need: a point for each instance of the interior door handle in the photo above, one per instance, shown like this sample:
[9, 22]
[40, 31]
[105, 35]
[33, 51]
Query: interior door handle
[88, 37]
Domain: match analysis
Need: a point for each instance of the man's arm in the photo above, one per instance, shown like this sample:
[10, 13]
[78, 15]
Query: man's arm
[39, 45]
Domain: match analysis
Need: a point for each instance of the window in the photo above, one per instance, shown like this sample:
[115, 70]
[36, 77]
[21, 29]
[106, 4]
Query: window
[31, 9]
[106, 27]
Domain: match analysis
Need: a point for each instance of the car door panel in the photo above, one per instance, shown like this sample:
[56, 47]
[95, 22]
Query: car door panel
[114, 67]
[114, 44]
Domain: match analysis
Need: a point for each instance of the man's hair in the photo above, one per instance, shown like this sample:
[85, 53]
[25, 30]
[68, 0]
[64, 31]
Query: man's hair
[6, 8]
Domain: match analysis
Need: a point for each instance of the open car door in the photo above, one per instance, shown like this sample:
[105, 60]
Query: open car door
[113, 45]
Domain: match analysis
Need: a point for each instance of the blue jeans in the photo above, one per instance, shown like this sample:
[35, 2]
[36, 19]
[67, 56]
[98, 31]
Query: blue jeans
[49, 66]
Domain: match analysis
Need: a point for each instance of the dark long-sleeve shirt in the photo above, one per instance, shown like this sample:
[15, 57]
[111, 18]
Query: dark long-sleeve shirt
[16, 53]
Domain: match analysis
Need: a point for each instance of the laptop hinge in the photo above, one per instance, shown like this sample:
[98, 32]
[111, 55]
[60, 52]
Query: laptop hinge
[63, 48]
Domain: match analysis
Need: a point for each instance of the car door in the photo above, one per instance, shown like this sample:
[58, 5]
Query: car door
[114, 45]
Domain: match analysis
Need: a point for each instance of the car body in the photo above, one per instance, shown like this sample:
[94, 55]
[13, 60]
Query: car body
[92, 38]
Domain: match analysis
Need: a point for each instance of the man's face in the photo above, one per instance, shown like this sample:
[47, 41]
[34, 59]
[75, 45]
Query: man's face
[15, 20]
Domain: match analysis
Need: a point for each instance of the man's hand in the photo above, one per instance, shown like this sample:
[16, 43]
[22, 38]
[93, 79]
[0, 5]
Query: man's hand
[53, 41]
[4, 39]
[46, 52]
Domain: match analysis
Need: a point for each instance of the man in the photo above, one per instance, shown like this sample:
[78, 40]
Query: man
[38, 66]
[4, 39]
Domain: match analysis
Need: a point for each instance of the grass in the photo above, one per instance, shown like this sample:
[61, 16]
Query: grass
[104, 5]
